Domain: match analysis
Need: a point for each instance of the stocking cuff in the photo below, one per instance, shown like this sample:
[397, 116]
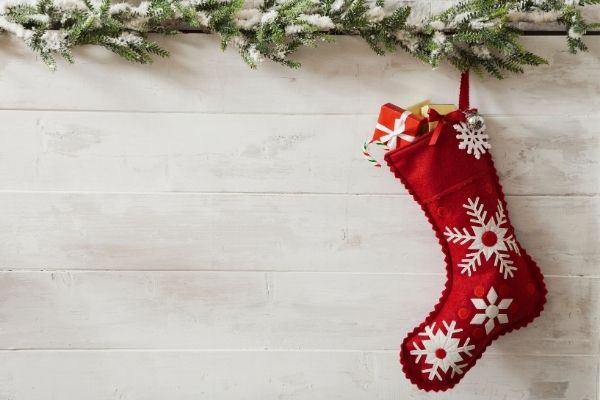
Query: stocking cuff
[433, 170]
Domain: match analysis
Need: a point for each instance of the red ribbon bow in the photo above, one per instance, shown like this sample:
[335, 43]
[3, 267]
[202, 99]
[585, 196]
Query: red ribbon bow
[442, 120]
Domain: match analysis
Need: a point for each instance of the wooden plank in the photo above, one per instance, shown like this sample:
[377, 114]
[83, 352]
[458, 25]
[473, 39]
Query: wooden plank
[256, 310]
[269, 232]
[277, 375]
[84, 151]
[345, 77]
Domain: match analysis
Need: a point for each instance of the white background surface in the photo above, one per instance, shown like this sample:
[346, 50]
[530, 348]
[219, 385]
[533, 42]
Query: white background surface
[197, 230]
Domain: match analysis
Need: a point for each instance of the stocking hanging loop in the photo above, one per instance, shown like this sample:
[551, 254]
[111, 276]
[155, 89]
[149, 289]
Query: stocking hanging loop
[463, 98]
[455, 116]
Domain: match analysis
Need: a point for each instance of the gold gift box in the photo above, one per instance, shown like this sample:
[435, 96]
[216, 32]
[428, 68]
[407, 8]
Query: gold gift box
[422, 109]
[442, 109]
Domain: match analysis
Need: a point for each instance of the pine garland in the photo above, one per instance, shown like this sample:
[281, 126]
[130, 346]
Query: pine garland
[473, 34]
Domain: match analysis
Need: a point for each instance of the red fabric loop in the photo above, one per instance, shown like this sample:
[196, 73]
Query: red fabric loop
[463, 98]
[455, 116]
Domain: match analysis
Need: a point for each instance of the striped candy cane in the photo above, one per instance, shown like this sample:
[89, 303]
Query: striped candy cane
[368, 156]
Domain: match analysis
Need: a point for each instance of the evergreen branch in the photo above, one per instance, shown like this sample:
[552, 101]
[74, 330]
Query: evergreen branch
[472, 34]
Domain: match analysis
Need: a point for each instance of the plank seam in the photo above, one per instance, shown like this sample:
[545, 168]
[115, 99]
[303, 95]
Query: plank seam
[271, 193]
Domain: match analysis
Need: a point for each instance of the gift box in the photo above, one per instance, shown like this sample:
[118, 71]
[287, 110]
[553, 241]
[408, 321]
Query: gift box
[397, 127]
[442, 109]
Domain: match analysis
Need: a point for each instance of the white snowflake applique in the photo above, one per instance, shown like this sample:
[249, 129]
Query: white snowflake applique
[473, 139]
[491, 311]
[489, 238]
[442, 351]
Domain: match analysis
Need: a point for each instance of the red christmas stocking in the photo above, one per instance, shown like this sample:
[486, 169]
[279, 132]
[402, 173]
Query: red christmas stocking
[493, 286]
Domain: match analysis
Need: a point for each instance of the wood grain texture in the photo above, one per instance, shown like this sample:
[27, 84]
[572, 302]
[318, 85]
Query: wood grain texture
[163, 152]
[345, 77]
[195, 229]
[277, 375]
[251, 310]
[269, 232]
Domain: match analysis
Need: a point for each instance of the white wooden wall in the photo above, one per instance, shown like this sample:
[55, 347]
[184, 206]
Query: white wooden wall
[197, 230]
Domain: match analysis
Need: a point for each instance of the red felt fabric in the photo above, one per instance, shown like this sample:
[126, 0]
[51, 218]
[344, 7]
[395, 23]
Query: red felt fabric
[442, 178]
[463, 96]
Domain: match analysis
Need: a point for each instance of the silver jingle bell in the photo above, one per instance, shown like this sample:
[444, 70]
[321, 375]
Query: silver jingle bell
[474, 120]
